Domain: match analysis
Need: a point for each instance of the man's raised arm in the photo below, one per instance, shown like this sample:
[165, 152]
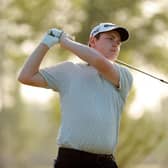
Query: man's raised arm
[29, 74]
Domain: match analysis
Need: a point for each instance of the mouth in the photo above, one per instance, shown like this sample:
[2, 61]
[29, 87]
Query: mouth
[114, 49]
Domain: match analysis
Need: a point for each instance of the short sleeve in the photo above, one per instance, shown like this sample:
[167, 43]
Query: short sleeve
[125, 82]
[58, 77]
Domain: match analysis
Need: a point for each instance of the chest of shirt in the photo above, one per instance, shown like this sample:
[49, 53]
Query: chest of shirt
[89, 86]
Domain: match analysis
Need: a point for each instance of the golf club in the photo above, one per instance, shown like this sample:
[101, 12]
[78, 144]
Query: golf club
[136, 69]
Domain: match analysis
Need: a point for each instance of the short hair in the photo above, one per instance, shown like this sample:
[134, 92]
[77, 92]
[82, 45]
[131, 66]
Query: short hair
[97, 36]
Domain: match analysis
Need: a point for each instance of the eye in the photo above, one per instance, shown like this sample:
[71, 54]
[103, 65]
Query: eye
[111, 38]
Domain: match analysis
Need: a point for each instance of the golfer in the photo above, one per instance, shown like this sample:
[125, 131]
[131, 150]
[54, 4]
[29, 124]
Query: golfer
[92, 94]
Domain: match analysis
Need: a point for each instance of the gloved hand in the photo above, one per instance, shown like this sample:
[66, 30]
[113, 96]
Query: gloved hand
[52, 37]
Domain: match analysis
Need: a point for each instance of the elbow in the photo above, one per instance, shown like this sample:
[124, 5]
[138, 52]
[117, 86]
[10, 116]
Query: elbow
[23, 79]
[20, 79]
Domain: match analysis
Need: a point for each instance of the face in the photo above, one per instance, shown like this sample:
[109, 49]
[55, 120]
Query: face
[108, 44]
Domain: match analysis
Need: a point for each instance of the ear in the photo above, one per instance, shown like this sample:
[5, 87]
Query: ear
[92, 42]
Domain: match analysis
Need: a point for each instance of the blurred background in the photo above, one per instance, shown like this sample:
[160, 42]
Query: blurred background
[30, 117]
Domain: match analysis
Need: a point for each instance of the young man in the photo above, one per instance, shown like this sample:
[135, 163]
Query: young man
[92, 94]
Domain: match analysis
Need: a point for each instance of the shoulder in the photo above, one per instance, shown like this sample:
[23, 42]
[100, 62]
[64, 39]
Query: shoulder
[62, 66]
[70, 64]
[65, 64]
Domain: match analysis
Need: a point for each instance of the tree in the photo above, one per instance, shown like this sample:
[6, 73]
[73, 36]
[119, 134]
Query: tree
[23, 24]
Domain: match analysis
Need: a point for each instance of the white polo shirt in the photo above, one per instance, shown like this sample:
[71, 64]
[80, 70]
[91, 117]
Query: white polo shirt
[91, 106]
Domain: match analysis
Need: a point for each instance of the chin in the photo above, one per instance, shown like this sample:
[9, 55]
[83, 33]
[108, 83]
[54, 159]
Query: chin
[112, 57]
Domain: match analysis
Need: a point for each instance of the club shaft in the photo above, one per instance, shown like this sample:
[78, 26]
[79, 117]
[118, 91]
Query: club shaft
[136, 69]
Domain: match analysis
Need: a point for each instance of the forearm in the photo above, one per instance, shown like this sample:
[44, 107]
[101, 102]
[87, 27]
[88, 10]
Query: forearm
[84, 52]
[32, 64]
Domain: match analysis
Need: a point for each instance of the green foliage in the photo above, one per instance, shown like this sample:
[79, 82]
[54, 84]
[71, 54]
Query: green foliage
[29, 12]
[138, 139]
[28, 131]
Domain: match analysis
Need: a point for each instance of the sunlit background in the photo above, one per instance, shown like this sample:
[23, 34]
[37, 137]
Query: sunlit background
[30, 116]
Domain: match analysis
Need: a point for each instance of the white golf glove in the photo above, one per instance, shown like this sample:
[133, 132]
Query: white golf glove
[52, 37]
